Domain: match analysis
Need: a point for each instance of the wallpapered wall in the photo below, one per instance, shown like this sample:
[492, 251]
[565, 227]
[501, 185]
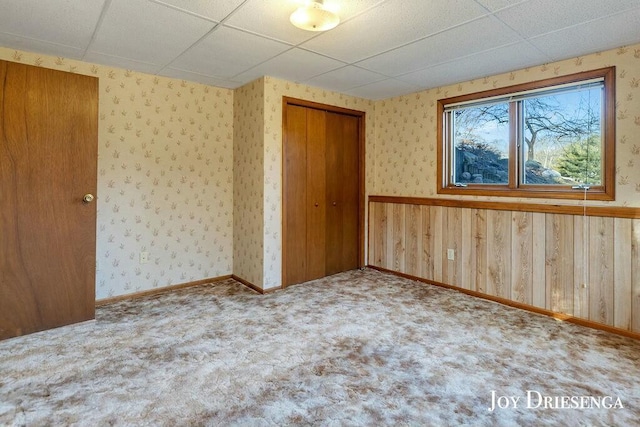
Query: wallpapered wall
[175, 156]
[274, 90]
[248, 181]
[405, 148]
[165, 177]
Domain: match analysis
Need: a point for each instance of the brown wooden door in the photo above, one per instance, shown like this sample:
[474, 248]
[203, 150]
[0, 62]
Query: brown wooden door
[322, 193]
[295, 187]
[48, 156]
[316, 194]
[342, 193]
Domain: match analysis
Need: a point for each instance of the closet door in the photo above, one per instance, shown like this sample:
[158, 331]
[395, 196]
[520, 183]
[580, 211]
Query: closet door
[295, 195]
[316, 193]
[342, 174]
[48, 159]
[321, 188]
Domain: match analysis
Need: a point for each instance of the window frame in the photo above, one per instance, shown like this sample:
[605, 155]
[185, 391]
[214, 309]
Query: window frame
[514, 188]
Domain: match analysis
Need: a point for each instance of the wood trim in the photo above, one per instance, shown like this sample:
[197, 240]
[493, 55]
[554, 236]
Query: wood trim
[158, 291]
[536, 84]
[362, 193]
[255, 287]
[362, 203]
[286, 100]
[601, 211]
[610, 132]
[510, 303]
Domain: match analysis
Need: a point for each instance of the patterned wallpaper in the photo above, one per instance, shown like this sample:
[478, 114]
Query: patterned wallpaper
[274, 90]
[165, 177]
[405, 147]
[248, 181]
[192, 174]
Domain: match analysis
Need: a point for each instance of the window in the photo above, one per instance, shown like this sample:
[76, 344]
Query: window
[553, 138]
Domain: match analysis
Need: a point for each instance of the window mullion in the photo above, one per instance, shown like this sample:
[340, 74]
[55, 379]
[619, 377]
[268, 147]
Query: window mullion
[514, 152]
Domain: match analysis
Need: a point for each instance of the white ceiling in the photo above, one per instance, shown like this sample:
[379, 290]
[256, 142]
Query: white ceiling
[381, 48]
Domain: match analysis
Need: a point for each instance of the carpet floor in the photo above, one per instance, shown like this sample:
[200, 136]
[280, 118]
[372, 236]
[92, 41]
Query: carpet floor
[358, 348]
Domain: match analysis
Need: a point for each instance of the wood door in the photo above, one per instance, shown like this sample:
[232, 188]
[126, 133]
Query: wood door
[342, 181]
[322, 190]
[48, 156]
[295, 194]
[316, 194]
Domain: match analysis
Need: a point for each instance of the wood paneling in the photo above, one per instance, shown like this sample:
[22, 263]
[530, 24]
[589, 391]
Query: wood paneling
[601, 270]
[522, 254]
[466, 251]
[559, 263]
[397, 236]
[413, 227]
[539, 260]
[452, 237]
[428, 239]
[580, 263]
[499, 251]
[622, 241]
[48, 162]
[479, 256]
[585, 267]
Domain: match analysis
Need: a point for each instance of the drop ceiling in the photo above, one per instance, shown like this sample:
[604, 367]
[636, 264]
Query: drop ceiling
[382, 48]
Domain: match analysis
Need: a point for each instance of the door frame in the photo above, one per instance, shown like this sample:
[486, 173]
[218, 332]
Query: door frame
[361, 115]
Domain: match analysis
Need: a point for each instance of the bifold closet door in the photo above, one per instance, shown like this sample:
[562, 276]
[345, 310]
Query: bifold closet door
[295, 186]
[316, 194]
[306, 194]
[342, 193]
[321, 193]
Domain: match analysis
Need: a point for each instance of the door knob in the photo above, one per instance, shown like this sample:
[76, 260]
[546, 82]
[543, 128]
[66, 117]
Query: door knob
[317, 205]
[88, 198]
[334, 203]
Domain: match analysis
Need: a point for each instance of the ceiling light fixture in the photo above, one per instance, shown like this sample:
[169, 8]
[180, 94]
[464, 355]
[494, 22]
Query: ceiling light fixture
[314, 16]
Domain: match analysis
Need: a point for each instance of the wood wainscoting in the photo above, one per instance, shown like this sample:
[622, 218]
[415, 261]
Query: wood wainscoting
[561, 259]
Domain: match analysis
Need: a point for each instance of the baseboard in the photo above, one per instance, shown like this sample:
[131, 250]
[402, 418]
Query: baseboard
[254, 287]
[157, 291]
[515, 304]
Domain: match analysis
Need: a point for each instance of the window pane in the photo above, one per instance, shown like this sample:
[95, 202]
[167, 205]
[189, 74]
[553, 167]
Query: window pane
[562, 141]
[481, 144]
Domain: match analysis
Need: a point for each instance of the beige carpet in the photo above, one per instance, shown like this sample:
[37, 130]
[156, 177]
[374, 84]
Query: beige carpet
[359, 348]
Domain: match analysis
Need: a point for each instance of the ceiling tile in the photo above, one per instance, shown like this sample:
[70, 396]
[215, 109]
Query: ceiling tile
[436, 42]
[496, 61]
[157, 38]
[392, 24]
[494, 5]
[198, 78]
[117, 61]
[538, 17]
[40, 46]
[482, 34]
[65, 22]
[383, 89]
[295, 65]
[215, 10]
[345, 78]
[606, 33]
[218, 54]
